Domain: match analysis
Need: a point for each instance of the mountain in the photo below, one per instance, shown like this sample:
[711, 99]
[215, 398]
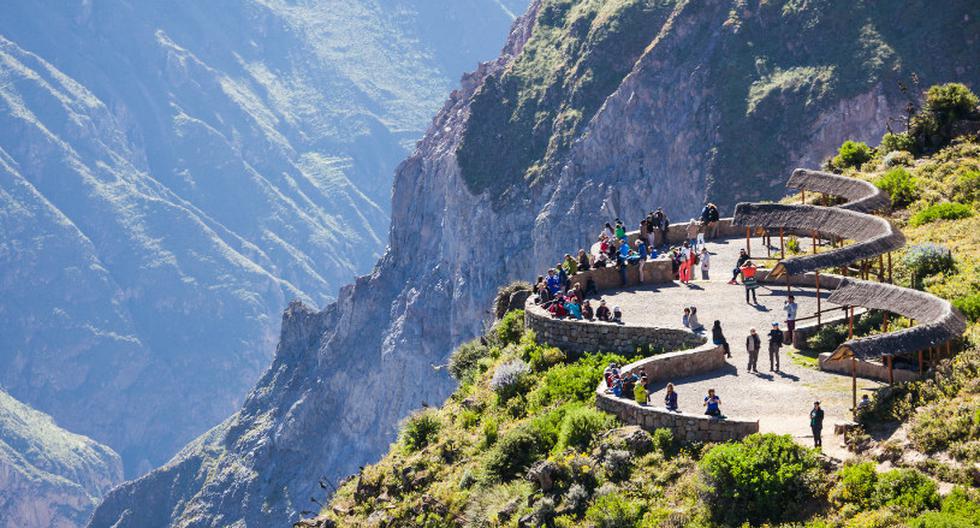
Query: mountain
[172, 174]
[49, 476]
[621, 106]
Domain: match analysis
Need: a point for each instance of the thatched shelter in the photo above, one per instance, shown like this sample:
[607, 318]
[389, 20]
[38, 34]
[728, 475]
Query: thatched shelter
[861, 196]
[872, 235]
[937, 321]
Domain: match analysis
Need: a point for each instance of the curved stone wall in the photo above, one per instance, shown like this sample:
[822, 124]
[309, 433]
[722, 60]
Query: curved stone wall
[577, 336]
[686, 427]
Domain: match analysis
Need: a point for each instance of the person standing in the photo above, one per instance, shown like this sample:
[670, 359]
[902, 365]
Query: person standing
[775, 341]
[743, 257]
[670, 399]
[692, 233]
[816, 424]
[752, 345]
[704, 263]
[749, 281]
[789, 305]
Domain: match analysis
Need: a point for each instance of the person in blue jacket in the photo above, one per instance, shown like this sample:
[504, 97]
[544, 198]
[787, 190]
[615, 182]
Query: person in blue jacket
[670, 399]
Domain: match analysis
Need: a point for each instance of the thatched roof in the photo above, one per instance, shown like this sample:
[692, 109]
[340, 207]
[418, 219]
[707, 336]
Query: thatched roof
[860, 195]
[937, 321]
[872, 235]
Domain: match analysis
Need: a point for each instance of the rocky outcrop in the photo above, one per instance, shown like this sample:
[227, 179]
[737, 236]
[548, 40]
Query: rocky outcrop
[669, 134]
[48, 476]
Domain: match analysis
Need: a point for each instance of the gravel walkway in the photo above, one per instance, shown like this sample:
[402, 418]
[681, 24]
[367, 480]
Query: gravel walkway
[780, 400]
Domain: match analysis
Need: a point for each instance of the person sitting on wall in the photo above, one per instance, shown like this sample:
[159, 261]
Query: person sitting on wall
[670, 399]
[587, 313]
[629, 384]
[675, 263]
[609, 373]
[570, 265]
[557, 309]
[602, 312]
[578, 292]
[641, 391]
[562, 277]
[695, 325]
[573, 308]
[712, 404]
[742, 258]
[617, 386]
[584, 264]
[617, 315]
[620, 230]
[608, 231]
[553, 282]
[686, 318]
[601, 261]
[718, 338]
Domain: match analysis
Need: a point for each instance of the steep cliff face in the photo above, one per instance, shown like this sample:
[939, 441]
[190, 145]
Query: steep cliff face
[48, 476]
[663, 132]
[173, 173]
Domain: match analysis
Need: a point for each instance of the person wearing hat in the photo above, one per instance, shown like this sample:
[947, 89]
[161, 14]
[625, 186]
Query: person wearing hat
[775, 341]
[617, 315]
[816, 423]
[602, 312]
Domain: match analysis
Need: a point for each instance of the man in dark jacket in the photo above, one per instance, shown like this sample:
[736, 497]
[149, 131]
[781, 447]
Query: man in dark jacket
[752, 345]
[816, 424]
[775, 341]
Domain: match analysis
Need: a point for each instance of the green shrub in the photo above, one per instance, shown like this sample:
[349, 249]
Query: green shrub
[907, 489]
[900, 186]
[663, 440]
[941, 211]
[966, 186]
[572, 382]
[830, 336]
[515, 452]
[926, 260]
[851, 154]
[856, 485]
[464, 361]
[946, 422]
[934, 519]
[511, 327]
[489, 432]
[793, 245]
[420, 429]
[895, 142]
[614, 511]
[580, 427]
[952, 100]
[969, 305]
[899, 158]
[763, 478]
[963, 503]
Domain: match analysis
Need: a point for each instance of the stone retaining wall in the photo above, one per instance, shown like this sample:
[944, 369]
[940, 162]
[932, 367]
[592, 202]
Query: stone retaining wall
[576, 336]
[657, 271]
[866, 369]
[685, 427]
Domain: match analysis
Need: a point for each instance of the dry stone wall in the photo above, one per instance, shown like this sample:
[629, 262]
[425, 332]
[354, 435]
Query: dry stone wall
[577, 336]
[686, 427]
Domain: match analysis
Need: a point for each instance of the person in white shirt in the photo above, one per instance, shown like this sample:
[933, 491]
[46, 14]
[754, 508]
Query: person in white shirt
[704, 263]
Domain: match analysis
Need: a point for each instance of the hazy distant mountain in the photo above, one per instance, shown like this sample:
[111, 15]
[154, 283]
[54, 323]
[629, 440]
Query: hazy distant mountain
[48, 476]
[172, 173]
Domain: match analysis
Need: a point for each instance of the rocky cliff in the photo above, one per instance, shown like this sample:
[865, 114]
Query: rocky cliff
[713, 100]
[173, 173]
[48, 476]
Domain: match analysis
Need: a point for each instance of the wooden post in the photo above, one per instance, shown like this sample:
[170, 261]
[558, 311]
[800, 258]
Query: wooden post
[850, 324]
[881, 268]
[817, 273]
[890, 268]
[884, 323]
[768, 245]
[803, 192]
[854, 385]
[949, 348]
[748, 241]
[891, 369]
[813, 238]
[787, 285]
[920, 363]
[782, 246]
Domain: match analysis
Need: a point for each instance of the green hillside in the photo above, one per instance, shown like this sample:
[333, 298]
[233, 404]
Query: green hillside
[520, 443]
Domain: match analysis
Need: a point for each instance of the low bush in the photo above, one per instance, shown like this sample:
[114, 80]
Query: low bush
[580, 426]
[516, 451]
[966, 186]
[906, 489]
[420, 429]
[663, 440]
[573, 382]
[830, 336]
[511, 327]
[465, 360]
[509, 379]
[900, 186]
[963, 503]
[941, 211]
[952, 100]
[856, 485]
[763, 478]
[969, 305]
[926, 260]
[896, 142]
[614, 511]
[851, 154]
[899, 158]
[946, 422]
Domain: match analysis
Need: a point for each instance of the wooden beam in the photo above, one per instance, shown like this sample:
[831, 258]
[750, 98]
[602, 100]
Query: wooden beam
[854, 386]
[748, 241]
[890, 268]
[782, 245]
[921, 370]
[813, 238]
[817, 273]
[850, 324]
